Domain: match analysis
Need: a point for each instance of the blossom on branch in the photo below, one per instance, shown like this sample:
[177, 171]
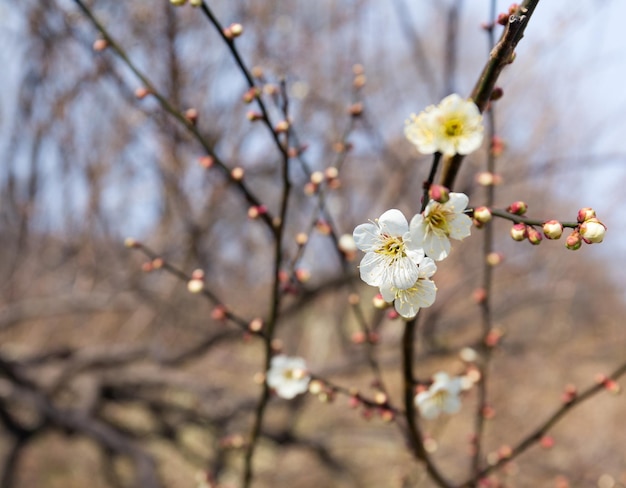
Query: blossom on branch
[421, 295]
[441, 397]
[452, 127]
[439, 223]
[391, 256]
[288, 376]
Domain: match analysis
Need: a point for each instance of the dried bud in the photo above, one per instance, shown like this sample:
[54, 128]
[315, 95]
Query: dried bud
[586, 213]
[496, 93]
[519, 232]
[534, 236]
[439, 193]
[517, 208]
[592, 231]
[482, 214]
[552, 229]
[573, 241]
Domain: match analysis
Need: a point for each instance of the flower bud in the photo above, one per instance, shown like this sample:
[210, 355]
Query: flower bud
[552, 229]
[586, 213]
[497, 146]
[517, 208]
[282, 126]
[534, 236]
[519, 232]
[592, 231]
[573, 241]
[195, 3]
[496, 93]
[195, 285]
[100, 45]
[439, 193]
[482, 214]
[178, 3]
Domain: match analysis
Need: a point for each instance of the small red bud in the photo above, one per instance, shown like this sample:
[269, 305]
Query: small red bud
[534, 236]
[517, 208]
[586, 213]
[439, 193]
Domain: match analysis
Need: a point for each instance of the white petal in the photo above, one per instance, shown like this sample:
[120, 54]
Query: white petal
[404, 273]
[393, 222]
[460, 226]
[452, 404]
[437, 247]
[366, 236]
[417, 230]
[427, 268]
[388, 292]
[373, 268]
[457, 203]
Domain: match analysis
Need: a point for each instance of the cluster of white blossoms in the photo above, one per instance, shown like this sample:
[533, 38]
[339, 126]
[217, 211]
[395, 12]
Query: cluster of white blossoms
[400, 256]
[452, 127]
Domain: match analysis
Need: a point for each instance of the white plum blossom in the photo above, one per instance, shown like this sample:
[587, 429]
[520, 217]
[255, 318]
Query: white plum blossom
[421, 295]
[439, 223]
[391, 257]
[452, 127]
[288, 376]
[441, 397]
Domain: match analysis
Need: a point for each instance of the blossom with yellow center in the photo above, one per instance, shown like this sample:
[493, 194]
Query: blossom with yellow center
[391, 257]
[452, 127]
[439, 223]
[442, 396]
[288, 376]
[421, 295]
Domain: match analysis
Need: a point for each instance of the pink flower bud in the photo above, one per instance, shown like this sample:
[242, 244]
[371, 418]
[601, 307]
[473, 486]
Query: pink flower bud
[519, 232]
[517, 208]
[282, 126]
[573, 241]
[534, 236]
[439, 193]
[482, 214]
[586, 213]
[552, 229]
[592, 231]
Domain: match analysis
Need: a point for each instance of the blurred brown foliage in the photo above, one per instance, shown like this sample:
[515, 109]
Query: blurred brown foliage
[114, 377]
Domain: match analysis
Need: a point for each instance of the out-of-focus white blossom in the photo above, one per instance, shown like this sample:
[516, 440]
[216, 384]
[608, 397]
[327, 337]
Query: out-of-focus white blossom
[288, 376]
[441, 397]
[452, 127]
